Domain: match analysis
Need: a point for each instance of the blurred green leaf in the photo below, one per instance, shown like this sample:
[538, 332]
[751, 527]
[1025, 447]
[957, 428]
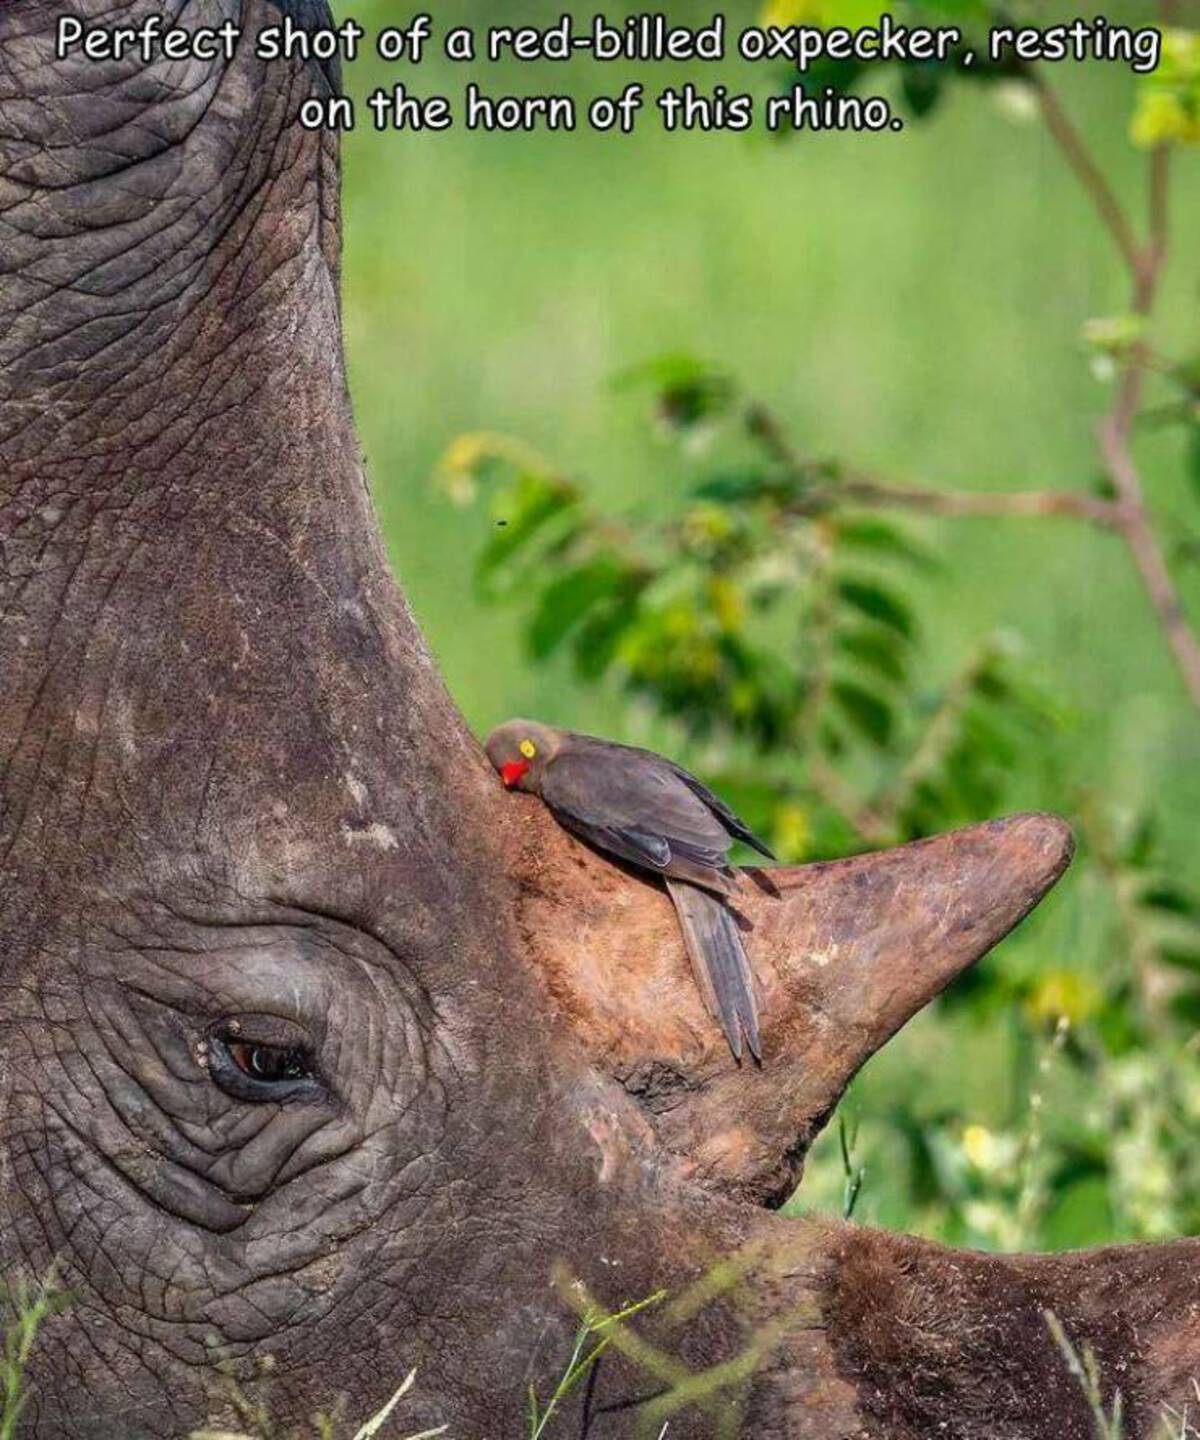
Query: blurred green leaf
[600, 635]
[1171, 898]
[873, 600]
[877, 648]
[687, 389]
[870, 716]
[566, 600]
[987, 738]
[1185, 1006]
[1143, 842]
[525, 511]
[922, 84]
[736, 486]
[879, 537]
[1179, 958]
[1080, 1215]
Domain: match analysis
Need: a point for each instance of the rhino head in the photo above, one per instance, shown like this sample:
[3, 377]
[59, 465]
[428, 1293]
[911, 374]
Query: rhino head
[318, 1050]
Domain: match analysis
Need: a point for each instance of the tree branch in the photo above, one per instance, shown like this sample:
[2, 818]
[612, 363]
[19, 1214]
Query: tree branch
[1147, 556]
[861, 489]
[1145, 264]
[1115, 436]
[1126, 515]
[1089, 174]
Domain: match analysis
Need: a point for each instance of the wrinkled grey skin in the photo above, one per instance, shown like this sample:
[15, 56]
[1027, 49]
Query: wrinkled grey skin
[200, 812]
[232, 790]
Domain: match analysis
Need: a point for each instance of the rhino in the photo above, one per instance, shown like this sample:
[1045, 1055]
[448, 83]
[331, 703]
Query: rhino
[323, 1059]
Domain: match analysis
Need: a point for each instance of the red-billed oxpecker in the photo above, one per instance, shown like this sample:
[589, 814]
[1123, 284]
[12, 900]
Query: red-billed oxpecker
[649, 812]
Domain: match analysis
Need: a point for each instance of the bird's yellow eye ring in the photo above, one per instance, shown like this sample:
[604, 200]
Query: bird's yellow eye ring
[528, 749]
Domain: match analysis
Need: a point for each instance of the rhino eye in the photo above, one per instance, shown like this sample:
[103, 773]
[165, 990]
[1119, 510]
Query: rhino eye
[269, 1062]
[263, 1058]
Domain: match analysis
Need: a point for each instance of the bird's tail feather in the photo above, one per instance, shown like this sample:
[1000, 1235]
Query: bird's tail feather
[722, 971]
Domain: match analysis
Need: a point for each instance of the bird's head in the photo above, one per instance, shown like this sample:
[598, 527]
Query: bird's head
[520, 749]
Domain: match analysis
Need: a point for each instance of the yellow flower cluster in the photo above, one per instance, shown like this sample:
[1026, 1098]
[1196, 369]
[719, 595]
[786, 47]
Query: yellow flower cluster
[823, 13]
[1168, 107]
[1063, 993]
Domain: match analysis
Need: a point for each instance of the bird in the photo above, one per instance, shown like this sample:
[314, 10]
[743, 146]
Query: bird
[655, 815]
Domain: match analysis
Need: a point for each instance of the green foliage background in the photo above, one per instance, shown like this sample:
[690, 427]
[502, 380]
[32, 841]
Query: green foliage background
[913, 307]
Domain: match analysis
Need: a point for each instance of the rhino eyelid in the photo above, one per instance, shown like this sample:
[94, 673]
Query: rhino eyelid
[288, 1071]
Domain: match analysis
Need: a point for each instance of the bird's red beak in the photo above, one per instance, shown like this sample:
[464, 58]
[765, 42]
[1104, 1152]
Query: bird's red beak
[513, 771]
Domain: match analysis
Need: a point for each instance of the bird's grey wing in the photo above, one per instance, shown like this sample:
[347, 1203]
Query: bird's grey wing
[646, 851]
[729, 818]
[633, 804]
[719, 963]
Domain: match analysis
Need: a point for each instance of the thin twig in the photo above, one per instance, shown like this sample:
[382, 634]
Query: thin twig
[858, 488]
[763, 425]
[863, 490]
[1148, 557]
[1089, 174]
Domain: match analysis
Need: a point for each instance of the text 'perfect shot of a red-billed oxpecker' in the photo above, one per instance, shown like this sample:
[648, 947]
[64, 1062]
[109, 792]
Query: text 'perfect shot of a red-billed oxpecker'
[651, 813]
